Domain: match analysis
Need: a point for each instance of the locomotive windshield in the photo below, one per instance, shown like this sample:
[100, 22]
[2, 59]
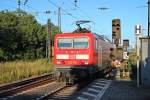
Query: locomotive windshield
[77, 42]
[80, 43]
[64, 43]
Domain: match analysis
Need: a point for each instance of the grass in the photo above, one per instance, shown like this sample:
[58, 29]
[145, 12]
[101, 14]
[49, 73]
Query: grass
[17, 70]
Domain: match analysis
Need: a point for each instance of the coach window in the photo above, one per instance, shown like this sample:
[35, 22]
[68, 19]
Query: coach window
[95, 46]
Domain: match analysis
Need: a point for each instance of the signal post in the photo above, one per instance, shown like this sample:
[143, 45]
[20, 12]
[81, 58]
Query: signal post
[138, 32]
[116, 53]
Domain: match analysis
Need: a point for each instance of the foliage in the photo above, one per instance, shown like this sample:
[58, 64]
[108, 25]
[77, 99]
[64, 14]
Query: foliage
[1, 53]
[17, 70]
[21, 36]
[133, 58]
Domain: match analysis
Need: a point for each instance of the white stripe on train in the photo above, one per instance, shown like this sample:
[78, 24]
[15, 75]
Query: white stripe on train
[78, 56]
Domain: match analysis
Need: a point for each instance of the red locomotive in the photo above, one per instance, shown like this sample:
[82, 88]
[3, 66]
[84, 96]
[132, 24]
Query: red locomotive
[78, 55]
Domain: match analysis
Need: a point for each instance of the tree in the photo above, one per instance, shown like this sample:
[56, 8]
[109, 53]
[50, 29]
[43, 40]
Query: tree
[21, 36]
[8, 23]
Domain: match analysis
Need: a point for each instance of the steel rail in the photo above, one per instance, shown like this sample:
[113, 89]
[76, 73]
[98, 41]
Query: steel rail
[64, 86]
[26, 84]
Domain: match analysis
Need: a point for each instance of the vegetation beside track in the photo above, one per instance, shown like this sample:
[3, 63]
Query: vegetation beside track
[17, 70]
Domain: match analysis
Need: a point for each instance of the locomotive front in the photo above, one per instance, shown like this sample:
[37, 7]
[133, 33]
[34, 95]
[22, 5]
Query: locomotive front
[71, 50]
[72, 55]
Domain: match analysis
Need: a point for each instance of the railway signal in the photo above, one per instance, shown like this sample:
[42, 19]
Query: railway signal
[116, 31]
[125, 42]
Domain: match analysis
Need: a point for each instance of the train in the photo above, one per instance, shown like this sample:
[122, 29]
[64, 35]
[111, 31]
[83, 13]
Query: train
[81, 54]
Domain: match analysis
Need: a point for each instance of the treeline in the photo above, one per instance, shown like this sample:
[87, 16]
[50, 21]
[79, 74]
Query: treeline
[22, 37]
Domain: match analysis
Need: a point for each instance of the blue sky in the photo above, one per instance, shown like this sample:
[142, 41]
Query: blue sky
[131, 12]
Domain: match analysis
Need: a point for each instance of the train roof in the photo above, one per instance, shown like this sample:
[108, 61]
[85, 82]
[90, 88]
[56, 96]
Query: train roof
[74, 34]
[102, 37]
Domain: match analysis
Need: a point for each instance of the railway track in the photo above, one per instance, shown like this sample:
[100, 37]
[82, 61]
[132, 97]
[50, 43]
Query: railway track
[16, 87]
[53, 92]
[69, 92]
[65, 92]
[38, 93]
[46, 88]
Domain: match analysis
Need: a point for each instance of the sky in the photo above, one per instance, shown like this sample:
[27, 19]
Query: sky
[130, 12]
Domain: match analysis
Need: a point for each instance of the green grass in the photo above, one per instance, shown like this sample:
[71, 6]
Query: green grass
[17, 70]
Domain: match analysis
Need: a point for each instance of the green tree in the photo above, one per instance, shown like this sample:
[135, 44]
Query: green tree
[8, 32]
[1, 53]
[21, 36]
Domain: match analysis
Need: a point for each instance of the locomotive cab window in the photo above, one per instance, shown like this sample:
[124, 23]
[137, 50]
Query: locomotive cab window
[77, 42]
[64, 43]
[80, 43]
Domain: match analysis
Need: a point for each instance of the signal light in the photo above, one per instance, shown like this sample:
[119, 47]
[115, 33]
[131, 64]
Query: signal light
[118, 28]
[112, 53]
[116, 31]
[125, 42]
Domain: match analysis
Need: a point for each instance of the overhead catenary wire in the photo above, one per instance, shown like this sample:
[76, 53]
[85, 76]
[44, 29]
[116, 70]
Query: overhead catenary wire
[62, 9]
[71, 8]
[84, 13]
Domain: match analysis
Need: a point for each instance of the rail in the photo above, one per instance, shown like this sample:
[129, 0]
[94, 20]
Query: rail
[26, 84]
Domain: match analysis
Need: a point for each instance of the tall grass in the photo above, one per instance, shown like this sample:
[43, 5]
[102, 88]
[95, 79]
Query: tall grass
[13, 71]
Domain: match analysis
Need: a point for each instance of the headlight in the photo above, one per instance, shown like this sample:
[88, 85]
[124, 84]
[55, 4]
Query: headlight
[58, 62]
[86, 62]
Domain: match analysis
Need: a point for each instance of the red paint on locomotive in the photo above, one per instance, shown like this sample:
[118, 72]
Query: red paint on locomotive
[70, 55]
[78, 55]
[95, 53]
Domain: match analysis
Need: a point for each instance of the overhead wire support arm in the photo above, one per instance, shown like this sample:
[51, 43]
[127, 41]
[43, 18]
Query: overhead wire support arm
[25, 2]
[103, 8]
[75, 3]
